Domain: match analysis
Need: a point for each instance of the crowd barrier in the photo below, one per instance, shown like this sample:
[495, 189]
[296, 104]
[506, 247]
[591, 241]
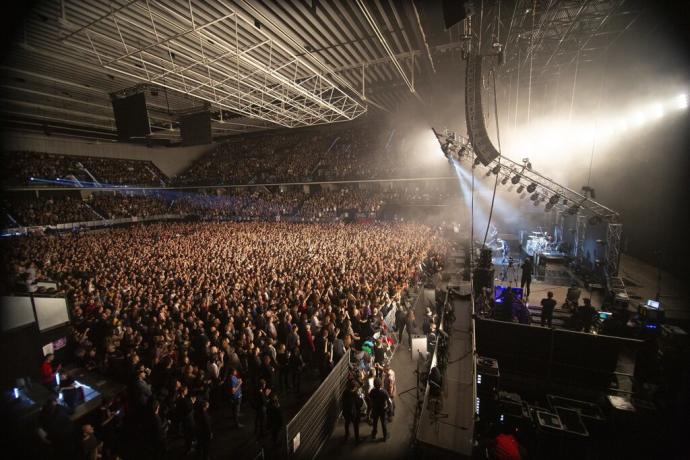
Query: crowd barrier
[309, 430]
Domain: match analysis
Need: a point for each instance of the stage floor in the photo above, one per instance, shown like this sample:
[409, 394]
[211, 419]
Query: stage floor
[641, 283]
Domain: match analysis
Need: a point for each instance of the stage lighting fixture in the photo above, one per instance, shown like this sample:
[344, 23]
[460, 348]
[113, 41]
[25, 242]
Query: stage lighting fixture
[515, 179]
[476, 163]
[548, 207]
[534, 197]
[504, 181]
[522, 196]
[573, 209]
[531, 187]
[520, 188]
[565, 201]
[594, 220]
[553, 200]
[488, 173]
[535, 203]
[496, 169]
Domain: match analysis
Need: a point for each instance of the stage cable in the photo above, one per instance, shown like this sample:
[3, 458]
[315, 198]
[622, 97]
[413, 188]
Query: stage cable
[594, 140]
[531, 65]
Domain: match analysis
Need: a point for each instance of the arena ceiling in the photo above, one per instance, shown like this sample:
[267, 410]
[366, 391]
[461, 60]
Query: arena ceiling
[262, 64]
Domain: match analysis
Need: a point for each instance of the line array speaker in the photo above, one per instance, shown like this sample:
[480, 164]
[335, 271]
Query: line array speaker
[474, 113]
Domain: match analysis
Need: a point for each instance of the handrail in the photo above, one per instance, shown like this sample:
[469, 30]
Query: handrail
[206, 186]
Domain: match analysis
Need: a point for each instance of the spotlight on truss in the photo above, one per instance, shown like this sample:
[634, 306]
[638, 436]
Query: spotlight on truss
[534, 197]
[588, 192]
[520, 188]
[496, 169]
[504, 181]
[531, 187]
[573, 209]
[553, 200]
[515, 179]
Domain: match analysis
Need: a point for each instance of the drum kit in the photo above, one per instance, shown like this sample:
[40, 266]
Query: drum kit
[537, 242]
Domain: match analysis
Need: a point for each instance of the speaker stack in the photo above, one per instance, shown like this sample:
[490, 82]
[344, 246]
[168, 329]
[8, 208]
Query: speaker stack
[474, 114]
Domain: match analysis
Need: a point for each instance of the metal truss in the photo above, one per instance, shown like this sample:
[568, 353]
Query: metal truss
[580, 236]
[211, 52]
[550, 34]
[556, 197]
[614, 233]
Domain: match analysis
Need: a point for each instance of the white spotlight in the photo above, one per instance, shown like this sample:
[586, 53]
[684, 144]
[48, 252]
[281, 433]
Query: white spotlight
[638, 119]
[622, 125]
[682, 101]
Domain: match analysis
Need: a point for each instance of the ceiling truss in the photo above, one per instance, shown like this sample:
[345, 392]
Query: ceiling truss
[225, 60]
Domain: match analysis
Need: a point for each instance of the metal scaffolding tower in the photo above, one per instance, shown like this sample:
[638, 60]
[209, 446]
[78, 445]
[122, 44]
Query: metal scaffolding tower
[613, 248]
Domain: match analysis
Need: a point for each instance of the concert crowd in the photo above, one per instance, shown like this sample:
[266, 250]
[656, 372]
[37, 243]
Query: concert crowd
[202, 319]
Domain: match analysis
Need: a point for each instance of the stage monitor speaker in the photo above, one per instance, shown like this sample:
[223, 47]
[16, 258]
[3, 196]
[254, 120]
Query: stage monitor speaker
[455, 11]
[195, 128]
[131, 117]
[474, 114]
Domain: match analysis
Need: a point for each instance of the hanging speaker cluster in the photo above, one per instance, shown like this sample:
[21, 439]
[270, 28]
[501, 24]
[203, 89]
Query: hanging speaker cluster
[474, 114]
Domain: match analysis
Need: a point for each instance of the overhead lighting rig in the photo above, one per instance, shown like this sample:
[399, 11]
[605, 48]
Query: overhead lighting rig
[554, 195]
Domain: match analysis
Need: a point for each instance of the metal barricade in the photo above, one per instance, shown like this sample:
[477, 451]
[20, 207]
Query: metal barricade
[309, 430]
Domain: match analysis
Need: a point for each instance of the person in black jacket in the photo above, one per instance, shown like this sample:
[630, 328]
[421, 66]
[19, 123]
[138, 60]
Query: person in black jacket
[410, 325]
[204, 430]
[185, 413]
[275, 417]
[547, 307]
[379, 405]
[400, 323]
[158, 432]
[260, 404]
[352, 406]
[296, 365]
[527, 269]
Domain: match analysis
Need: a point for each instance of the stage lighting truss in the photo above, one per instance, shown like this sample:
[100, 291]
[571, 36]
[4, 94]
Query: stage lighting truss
[522, 174]
[214, 54]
